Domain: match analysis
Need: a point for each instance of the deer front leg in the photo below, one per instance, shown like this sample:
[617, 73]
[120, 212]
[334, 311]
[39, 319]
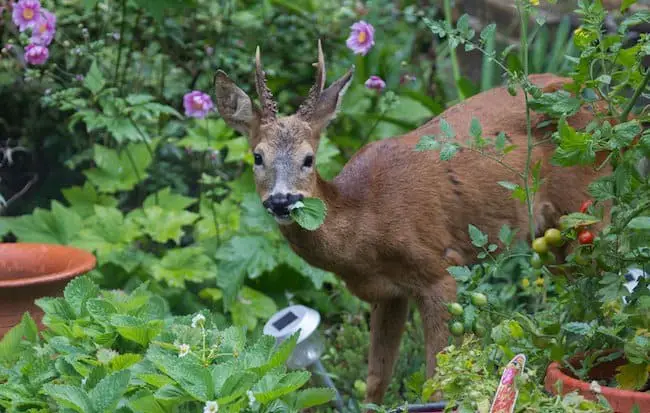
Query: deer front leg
[435, 316]
[386, 327]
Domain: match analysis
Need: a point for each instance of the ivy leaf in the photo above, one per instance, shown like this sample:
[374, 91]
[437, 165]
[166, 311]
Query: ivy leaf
[479, 239]
[310, 215]
[60, 225]
[163, 225]
[632, 376]
[115, 171]
[83, 199]
[184, 264]
[94, 80]
[109, 390]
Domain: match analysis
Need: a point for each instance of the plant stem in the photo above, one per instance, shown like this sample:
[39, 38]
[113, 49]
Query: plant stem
[452, 52]
[120, 43]
[523, 16]
[636, 95]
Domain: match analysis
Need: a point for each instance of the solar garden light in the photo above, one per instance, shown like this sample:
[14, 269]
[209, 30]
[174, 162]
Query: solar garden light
[310, 345]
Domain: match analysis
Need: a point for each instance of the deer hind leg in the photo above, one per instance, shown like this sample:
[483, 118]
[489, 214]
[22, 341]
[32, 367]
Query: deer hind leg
[387, 321]
[435, 316]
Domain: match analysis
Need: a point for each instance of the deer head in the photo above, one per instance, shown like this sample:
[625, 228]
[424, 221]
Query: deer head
[284, 148]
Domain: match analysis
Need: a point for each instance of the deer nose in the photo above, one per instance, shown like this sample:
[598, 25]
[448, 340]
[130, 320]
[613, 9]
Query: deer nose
[279, 203]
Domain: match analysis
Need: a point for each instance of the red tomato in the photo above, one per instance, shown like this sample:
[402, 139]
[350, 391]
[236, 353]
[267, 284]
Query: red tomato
[586, 237]
[585, 205]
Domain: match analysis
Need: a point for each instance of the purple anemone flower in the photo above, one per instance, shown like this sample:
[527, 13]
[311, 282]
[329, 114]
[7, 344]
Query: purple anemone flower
[362, 37]
[375, 82]
[26, 14]
[43, 32]
[35, 54]
[197, 104]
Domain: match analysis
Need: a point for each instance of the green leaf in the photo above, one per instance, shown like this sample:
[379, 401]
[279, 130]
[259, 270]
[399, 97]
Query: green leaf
[460, 273]
[115, 171]
[577, 219]
[109, 390]
[83, 199]
[56, 307]
[69, 396]
[311, 214]
[190, 375]
[428, 143]
[94, 80]
[479, 239]
[236, 386]
[475, 129]
[137, 330]
[506, 235]
[582, 329]
[10, 343]
[632, 376]
[624, 134]
[145, 402]
[78, 291]
[447, 129]
[106, 232]
[287, 384]
[448, 151]
[575, 148]
[211, 294]
[124, 361]
[251, 305]
[639, 223]
[58, 226]
[602, 189]
[184, 264]
[625, 4]
[168, 200]
[557, 104]
[163, 225]
[313, 397]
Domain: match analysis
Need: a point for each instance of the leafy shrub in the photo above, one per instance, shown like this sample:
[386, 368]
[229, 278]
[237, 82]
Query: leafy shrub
[109, 351]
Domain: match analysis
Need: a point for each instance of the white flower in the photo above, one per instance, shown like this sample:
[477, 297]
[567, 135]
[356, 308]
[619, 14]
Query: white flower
[211, 407]
[251, 398]
[84, 380]
[595, 387]
[198, 319]
[184, 350]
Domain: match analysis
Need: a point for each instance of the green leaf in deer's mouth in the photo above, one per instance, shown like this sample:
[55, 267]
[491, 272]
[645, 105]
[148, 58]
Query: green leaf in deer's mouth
[309, 213]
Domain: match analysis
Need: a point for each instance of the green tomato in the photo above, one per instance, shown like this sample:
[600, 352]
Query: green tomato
[479, 329]
[456, 309]
[479, 300]
[457, 328]
[553, 237]
[540, 245]
[536, 261]
[512, 89]
[580, 259]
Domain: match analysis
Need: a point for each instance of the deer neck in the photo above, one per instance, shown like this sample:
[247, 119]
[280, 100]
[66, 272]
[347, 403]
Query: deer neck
[319, 247]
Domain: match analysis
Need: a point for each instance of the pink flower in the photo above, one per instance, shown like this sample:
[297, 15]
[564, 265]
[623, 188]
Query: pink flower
[43, 32]
[36, 54]
[362, 37]
[26, 14]
[375, 82]
[197, 104]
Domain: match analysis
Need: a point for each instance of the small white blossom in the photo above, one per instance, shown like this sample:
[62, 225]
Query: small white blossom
[211, 407]
[84, 380]
[198, 319]
[595, 387]
[251, 398]
[184, 350]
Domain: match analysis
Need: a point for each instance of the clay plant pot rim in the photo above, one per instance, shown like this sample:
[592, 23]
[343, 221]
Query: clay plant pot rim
[554, 372]
[81, 261]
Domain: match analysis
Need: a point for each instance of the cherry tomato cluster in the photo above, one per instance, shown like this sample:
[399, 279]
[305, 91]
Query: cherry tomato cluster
[457, 328]
[585, 237]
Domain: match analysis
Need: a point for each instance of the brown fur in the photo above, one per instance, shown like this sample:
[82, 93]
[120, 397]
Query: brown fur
[398, 218]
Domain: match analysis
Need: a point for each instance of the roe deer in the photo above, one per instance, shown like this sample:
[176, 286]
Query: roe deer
[397, 218]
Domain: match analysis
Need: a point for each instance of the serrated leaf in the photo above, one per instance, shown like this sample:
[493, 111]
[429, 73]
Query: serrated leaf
[94, 80]
[506, 235]
[475, 129]
[632, 376]
[69, 396]
[447, 129]
[582, 329]
[639, 223]
[448, 151]
[145, 402]
[109, 390]
[313, 397]
[460, 273]
[190, 375]
[83, 199]
[287, 384]
[428, 143]
[251, 305]
[114, 170]
[124, 361]
[163, 225]
[137, 330]
[236, 386]
[184, 264]
[311, 215]
[60, 225]
[479, 239]
[168, 200]
[78, 291]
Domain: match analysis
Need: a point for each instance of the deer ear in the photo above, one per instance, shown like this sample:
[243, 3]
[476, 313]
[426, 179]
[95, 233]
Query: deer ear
[234, 105]
[328, 103]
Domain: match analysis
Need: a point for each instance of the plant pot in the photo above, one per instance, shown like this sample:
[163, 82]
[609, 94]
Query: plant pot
[622, 401]
[31, 271]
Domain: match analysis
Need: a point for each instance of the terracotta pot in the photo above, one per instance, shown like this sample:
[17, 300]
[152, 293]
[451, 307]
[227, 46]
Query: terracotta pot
[622, 401]
[31, 271]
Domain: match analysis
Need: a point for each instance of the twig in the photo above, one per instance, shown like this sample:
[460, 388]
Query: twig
[19, 194]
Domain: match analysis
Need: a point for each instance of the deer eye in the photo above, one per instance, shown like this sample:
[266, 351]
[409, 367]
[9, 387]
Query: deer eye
[309, 161]
[258, 159]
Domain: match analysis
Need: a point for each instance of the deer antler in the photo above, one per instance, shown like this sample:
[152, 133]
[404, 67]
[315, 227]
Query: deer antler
[307, 108]
[269, 107]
